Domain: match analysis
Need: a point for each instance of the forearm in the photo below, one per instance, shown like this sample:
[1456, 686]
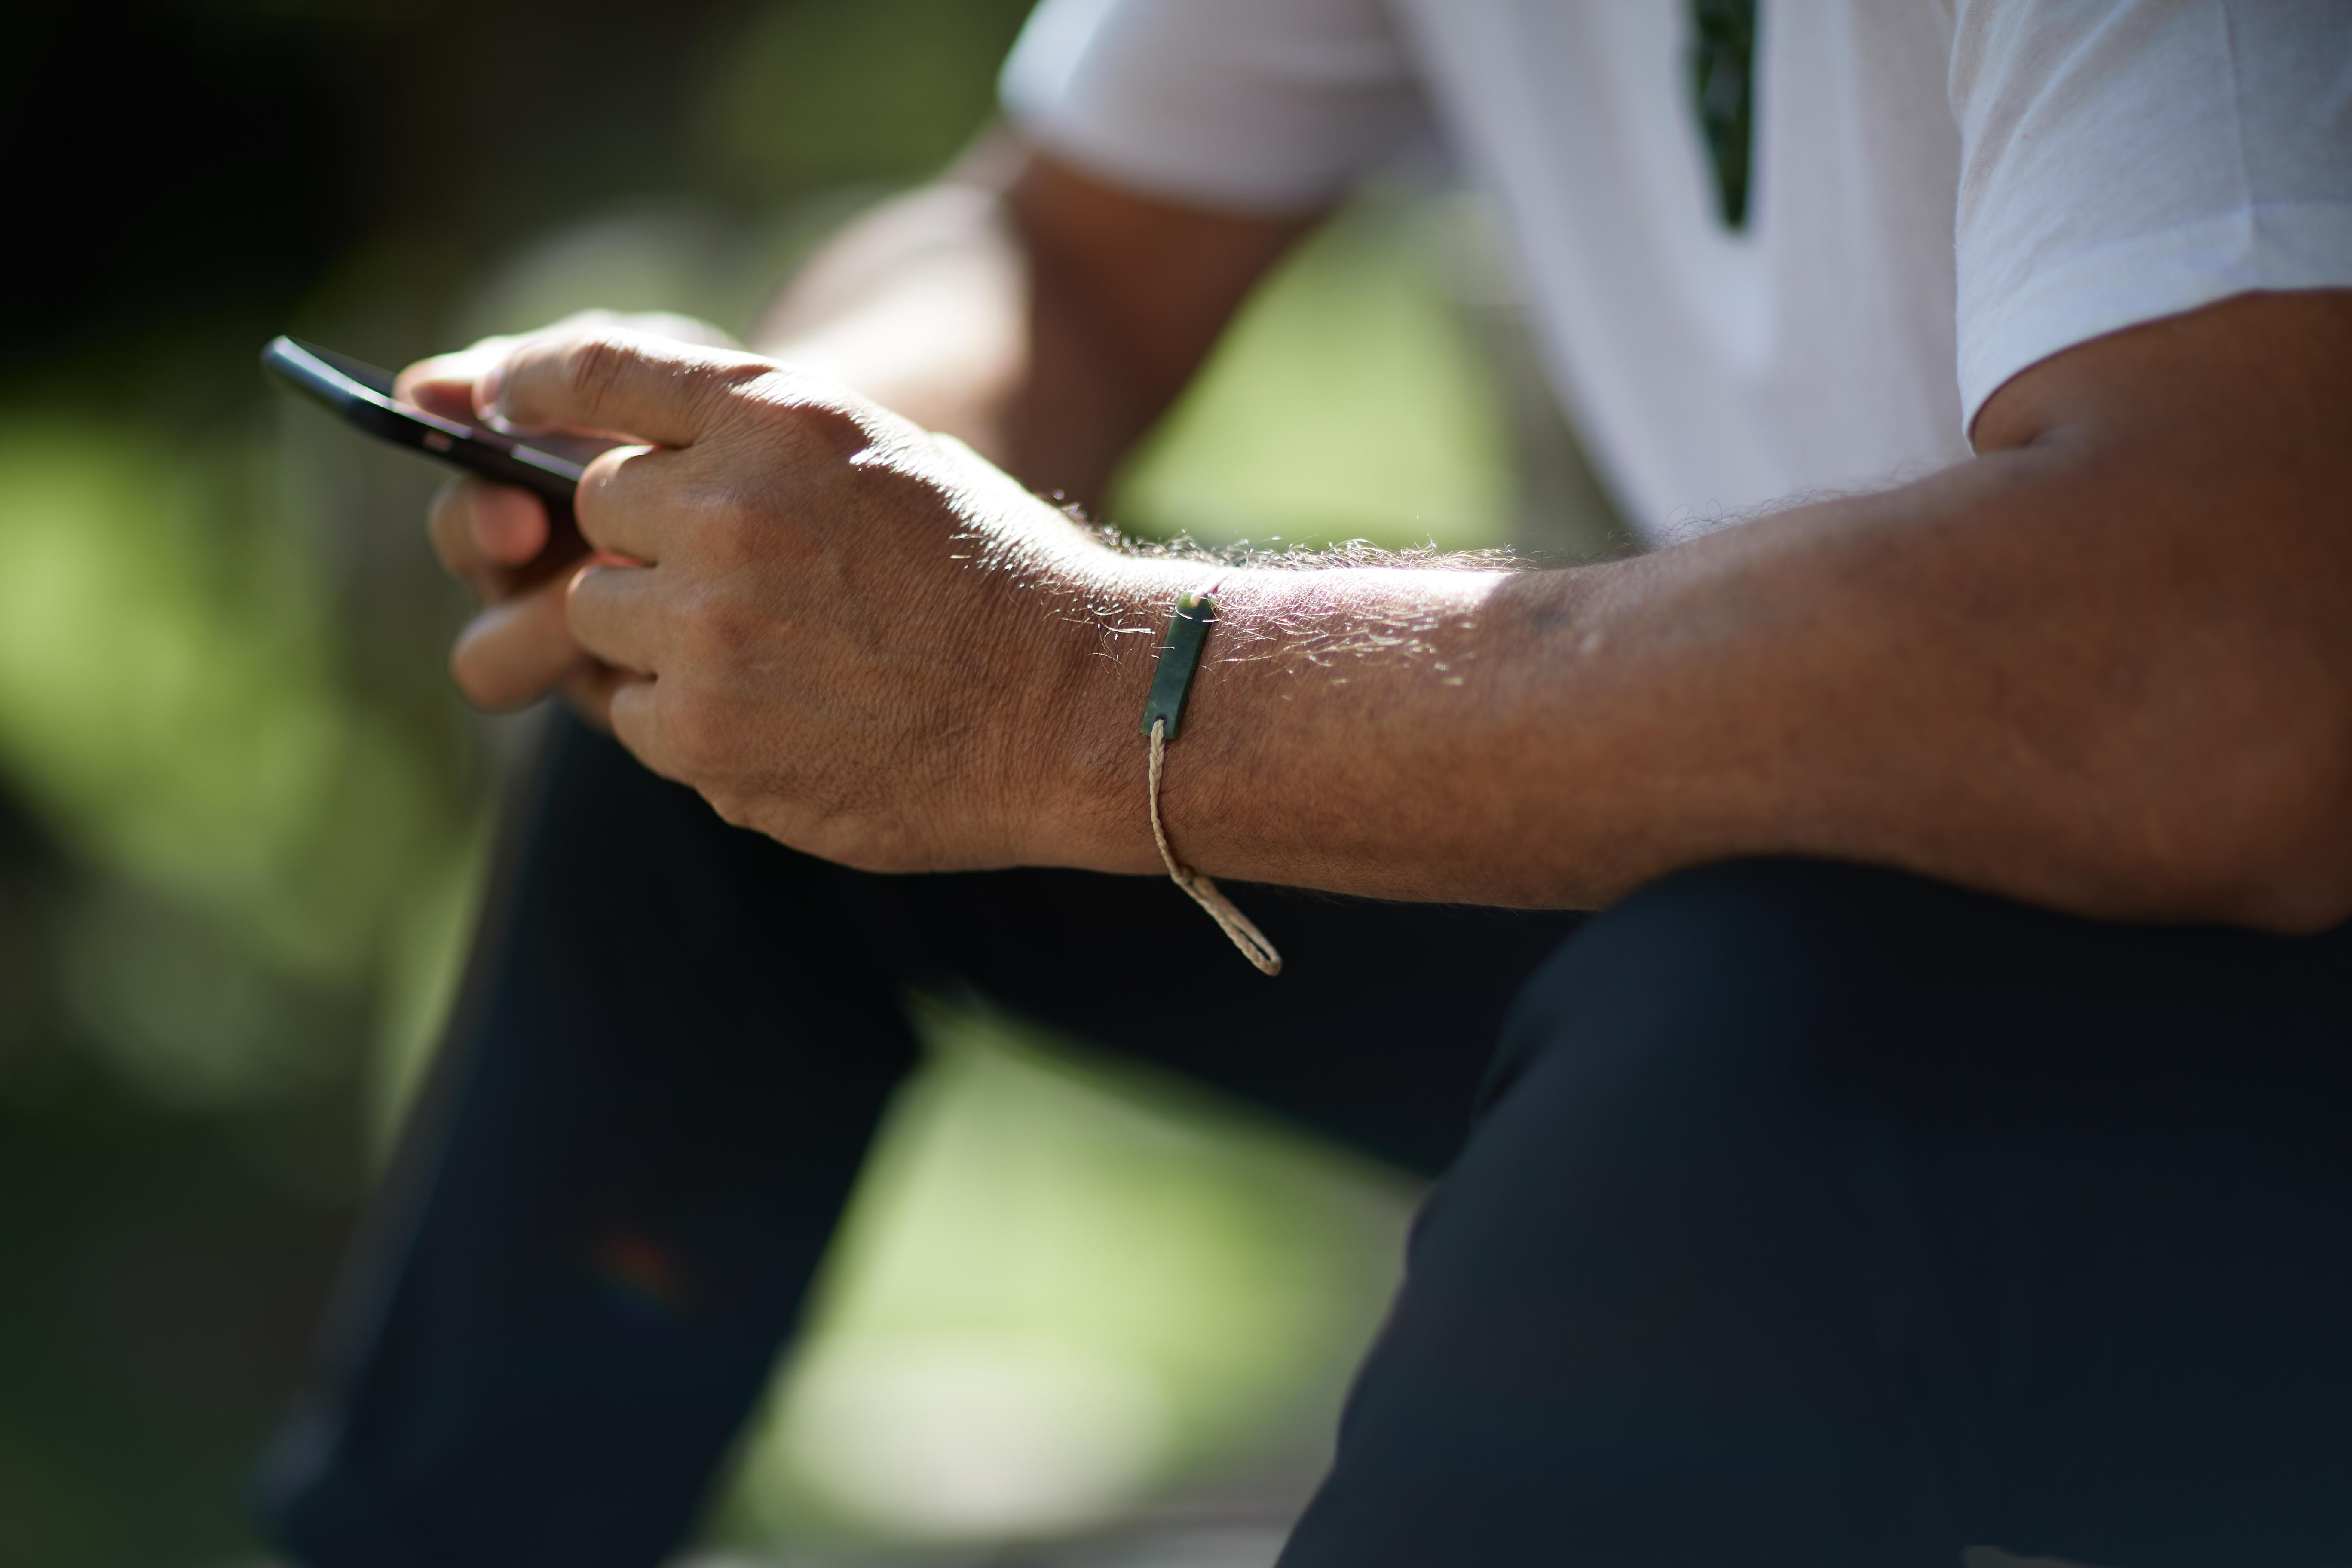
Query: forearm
[1041, 317]
[921, 305]
[1557, 738]
[2050, 673]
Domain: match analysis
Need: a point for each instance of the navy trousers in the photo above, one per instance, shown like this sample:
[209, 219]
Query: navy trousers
[1807, 1214]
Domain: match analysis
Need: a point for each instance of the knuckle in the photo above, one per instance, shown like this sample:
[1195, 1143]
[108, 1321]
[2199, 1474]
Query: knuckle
[712, 393]
[593, 367]
[699, 731]
[826, 422]
[802, 407]
[712, 632]
[732, 526]
[734, 533]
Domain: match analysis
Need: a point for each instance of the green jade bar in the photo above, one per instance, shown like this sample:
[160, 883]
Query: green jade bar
[1171, 682]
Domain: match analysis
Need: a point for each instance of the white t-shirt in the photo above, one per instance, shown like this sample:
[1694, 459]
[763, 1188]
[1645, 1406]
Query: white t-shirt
[1943, 191]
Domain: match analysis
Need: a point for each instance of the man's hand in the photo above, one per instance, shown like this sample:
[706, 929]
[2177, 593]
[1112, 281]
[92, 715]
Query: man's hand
[497, 538]
[853, 636]
[1023, 306]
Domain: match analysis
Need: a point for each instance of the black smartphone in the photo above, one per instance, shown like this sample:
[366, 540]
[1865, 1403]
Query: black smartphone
[361, 394]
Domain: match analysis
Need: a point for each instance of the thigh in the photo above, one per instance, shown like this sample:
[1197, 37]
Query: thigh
[1376, 1033]
[2132, 1150]
[1823, 1214]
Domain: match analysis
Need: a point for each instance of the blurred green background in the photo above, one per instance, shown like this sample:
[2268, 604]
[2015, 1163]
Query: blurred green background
[242, 814]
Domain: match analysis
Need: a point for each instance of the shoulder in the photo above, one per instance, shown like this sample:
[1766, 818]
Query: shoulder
[2124, 161]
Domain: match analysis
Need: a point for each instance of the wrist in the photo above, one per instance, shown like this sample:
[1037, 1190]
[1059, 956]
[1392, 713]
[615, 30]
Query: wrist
[1331, 708]
[1327, 705]
[1076, 779]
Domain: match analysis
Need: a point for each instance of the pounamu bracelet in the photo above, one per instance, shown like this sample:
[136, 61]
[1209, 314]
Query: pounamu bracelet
[1180, 657]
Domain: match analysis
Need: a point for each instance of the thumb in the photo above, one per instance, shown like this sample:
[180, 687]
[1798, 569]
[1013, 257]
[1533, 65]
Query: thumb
[609, 381]
[444, 385]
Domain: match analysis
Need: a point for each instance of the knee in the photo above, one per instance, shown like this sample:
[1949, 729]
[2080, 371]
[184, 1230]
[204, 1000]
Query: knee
[1719, 973]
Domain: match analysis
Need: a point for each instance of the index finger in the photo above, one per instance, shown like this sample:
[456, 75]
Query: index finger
[632, 387]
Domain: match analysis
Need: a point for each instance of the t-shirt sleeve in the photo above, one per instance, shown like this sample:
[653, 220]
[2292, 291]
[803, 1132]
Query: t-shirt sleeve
[2124, 159]
[1256, 106]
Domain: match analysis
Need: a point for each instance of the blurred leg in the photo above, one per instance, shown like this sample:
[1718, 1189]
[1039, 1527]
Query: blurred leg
[1824, 1215]
[655, 1094]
